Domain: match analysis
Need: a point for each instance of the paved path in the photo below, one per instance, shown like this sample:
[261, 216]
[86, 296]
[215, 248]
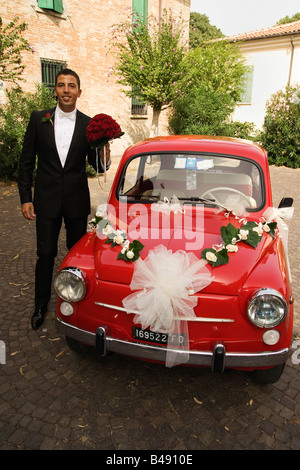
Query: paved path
[52, 398]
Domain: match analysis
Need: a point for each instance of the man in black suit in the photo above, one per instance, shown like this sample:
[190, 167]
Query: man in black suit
[58, 138]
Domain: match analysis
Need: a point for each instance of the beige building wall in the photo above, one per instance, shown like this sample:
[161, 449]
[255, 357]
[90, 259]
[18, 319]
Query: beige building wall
[276, 63]
[80, 37]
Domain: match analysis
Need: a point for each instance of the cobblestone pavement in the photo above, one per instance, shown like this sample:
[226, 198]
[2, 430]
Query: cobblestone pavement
[52, 398]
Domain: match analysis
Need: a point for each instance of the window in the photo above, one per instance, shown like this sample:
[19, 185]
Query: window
[246, 97]
[49, 71]
[138, 108]
[190, 177]
[55, 5]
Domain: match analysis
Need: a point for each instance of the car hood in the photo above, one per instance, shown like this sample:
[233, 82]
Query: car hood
[228, 279]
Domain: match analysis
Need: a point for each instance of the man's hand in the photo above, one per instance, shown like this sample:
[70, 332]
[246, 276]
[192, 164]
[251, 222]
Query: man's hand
[28, 211]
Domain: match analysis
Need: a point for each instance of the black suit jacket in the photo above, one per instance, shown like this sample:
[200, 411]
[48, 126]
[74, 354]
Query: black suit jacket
[56, 189]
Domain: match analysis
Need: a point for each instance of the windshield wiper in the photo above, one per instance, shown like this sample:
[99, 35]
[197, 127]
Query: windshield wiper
[198, 199]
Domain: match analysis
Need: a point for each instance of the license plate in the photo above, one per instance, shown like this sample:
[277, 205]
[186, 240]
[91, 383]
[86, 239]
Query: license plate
[176, 339]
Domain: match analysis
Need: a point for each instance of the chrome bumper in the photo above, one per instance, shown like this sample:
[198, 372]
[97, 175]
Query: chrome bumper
[217, 359]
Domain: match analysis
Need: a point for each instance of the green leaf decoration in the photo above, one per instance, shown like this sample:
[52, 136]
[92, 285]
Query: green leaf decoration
[222, 256]
[233, 235]
[252, 239]
[229, 232]
[135, 246]
[272, 226]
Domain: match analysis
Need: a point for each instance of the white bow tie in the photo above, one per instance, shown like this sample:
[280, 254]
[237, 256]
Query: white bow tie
[63, 115]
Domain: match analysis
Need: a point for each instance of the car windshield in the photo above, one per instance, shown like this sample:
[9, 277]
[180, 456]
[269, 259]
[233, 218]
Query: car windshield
[196, 178]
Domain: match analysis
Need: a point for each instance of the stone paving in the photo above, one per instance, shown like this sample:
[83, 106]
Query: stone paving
[52, 398]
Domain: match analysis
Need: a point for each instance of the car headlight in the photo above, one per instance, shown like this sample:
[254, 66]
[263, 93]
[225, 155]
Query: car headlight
[267, 308]
[70, 285]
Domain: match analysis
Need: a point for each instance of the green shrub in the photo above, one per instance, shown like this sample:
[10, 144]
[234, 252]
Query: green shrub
[217, 73]
[206, 112]
[14, 117]
[281, 131]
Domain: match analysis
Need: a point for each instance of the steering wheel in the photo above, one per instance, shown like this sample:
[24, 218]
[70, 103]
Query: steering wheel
[210, 193]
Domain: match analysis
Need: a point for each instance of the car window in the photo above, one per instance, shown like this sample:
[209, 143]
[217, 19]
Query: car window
[148, 178]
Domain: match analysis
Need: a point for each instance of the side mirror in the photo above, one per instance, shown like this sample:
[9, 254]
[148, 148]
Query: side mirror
[286, 202]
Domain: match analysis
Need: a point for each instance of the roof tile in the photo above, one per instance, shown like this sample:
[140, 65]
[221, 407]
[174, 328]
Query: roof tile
[277, 30]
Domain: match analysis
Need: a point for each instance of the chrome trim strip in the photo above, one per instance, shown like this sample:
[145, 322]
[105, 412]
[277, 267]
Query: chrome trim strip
[157, 353]
[195, 319]
[114, 307]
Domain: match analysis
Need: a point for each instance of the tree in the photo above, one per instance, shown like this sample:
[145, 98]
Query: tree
[289, 19]
[216, 82]
[281, 131]
[14, 117]
[12, 44]
[201, 30]
[150, 61]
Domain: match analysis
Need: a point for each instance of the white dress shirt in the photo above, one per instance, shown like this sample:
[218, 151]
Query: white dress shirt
[64, 124]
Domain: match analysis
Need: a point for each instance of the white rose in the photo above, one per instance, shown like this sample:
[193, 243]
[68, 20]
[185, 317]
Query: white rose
[266, 228]
[107, 230]
[130, 254]
[118, 239]
[243, 234]
[231, 248]
[210, 256]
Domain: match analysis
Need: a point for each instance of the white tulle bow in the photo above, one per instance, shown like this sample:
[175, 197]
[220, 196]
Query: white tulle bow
[278, 214]
[167, 206]
[235, 205]
[165, 282]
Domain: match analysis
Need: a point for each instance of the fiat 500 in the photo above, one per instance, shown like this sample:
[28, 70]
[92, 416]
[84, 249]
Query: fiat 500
[186, 264]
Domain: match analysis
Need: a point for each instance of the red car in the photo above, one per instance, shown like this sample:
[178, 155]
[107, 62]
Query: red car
[187, 263]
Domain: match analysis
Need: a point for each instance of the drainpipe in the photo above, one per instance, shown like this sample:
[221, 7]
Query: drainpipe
[291, 62]
[160, 10]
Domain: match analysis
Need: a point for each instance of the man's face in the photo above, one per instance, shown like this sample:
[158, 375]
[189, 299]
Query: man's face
[67, 92]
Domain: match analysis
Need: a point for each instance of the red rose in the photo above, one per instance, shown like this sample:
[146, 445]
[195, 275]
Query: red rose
[48, 118]
[101, 129]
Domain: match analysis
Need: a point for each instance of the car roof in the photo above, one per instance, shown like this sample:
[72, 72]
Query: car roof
[199, 143]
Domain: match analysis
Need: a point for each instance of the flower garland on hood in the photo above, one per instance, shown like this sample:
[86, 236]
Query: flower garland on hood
[249, 232]
[130, 251]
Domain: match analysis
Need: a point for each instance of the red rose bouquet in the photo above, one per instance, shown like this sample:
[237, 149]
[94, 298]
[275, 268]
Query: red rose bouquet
[101, 129]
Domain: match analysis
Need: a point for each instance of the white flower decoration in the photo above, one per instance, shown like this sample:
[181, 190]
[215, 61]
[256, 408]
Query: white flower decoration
[107, 230]
[259, 229]
[118, 239]
[130, 254]
[210, 256]
[232, 248]
[266, 228]
[243, 234]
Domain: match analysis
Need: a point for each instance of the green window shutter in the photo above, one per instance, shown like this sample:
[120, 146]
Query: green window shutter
[140, 7]
[58, 6]
[246, 97]
[46, 4]
[55, 5]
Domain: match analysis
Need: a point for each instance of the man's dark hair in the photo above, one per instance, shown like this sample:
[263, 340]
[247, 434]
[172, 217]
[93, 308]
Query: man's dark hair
[68, 72]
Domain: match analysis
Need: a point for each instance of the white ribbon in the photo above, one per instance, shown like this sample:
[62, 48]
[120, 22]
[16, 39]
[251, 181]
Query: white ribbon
[235, 205]
[167, 206]
[165, 282]
[278, 214]
[104, 163]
